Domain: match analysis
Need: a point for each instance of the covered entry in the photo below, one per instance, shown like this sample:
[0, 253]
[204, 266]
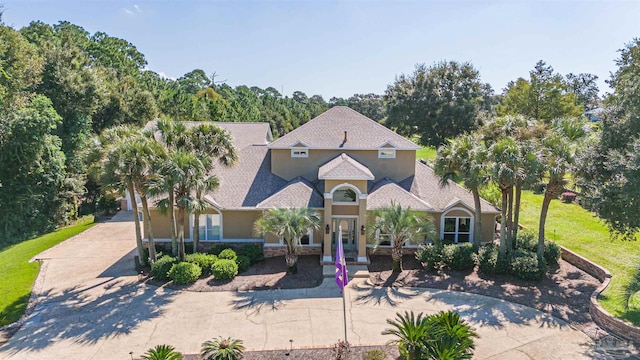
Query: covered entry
[349, 235]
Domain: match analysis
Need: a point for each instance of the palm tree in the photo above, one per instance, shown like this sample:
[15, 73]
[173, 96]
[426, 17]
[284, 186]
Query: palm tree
[289, 224]
[222, 349]
[505, 170]
[402, 226]
[411, 332]
[162, 352]
[442, 336]
[465, 158]
[119, 171]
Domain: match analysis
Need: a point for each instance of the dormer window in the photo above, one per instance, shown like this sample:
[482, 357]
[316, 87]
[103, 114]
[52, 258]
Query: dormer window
[386, 153]
[299, 153]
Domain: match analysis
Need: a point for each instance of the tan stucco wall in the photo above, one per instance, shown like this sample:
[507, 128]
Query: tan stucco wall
[161, 226]
[345, 210]
[398, 169]
[360, 184]
[239, 224]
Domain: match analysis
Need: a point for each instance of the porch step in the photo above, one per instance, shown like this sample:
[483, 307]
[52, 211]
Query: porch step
[354, 271]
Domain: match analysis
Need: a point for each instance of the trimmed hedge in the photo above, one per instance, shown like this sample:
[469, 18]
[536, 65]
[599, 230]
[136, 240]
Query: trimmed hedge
[228, 254]
[490, 261]
[430, 256]
[243, 263]
[459, 257]
[160, 269]
[185, 273]
[252, 251]
[527, 266]
[528, 240]
[224, 269]
[205, 261]
[217, 249]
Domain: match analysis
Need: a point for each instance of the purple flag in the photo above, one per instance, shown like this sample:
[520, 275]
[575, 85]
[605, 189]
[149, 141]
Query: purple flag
[342, 279]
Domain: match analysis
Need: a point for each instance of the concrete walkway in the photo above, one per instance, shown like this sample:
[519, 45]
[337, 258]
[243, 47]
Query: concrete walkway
[92, 307]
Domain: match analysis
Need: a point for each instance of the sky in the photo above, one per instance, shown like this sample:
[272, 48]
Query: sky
[339, 48]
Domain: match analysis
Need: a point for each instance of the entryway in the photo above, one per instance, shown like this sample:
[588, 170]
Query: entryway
[349, 236]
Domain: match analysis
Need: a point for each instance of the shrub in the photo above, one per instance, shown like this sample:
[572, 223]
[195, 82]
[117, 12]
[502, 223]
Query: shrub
[375, 354]
[243, 263]
[252, 251]
[430, 256]
[224, 269]
[217, 249]
[341, 350]
[205, 261]
[459, 257]
[527, 266]
[568, 197]
[162, 352]
[160, 269]
[222, 349]
[528, 240]
[228, 254]
[490, 261]
[185, 273]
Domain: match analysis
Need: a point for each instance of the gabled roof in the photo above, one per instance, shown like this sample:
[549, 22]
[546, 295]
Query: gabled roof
[386, 191]
[327, 131]
[344, 167]
[425, 184]
[243, 133]
[298, 192]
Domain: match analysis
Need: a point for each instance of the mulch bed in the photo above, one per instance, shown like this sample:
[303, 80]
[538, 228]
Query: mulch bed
[270, 273]
[563, 293]
[305, 354]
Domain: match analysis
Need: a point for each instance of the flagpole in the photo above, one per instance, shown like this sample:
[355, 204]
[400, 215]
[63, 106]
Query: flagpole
[344, 313]
[342, 279]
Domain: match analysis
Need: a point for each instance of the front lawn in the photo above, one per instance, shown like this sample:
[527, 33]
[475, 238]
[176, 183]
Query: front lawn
[427, 153]
[579, 230]
[18, 274]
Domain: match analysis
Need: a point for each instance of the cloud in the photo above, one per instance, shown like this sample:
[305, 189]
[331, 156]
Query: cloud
[132, 11]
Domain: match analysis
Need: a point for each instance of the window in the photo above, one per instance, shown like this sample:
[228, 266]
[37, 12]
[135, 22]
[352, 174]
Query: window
[209, 227]
[344, 195]
[299, 153]
[307, 239]
[386, 241]
[457, 230]
[386, 153]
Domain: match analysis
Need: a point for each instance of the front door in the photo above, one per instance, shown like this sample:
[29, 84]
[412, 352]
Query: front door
[349, 235]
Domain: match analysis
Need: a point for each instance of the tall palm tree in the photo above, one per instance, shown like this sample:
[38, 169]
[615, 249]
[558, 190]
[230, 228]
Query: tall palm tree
[119, 171]
[505, 170]
[465, 158]
[403, 225]
[289, 224]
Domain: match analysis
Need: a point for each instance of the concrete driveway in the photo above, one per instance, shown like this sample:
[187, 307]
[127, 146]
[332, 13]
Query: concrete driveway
[92, 307]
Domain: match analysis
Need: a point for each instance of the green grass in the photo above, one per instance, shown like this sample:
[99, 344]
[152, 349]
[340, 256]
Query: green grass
[18, 274]
[427, 153]
[580, 231]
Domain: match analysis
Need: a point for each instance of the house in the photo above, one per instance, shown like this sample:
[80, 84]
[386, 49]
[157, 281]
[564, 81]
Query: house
[341, 164]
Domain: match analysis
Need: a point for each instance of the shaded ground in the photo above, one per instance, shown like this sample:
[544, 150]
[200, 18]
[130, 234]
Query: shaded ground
[319, 353]
[270, 273]
[563, 293]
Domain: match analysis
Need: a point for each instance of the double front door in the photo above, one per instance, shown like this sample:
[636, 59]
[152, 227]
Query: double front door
[349, 235]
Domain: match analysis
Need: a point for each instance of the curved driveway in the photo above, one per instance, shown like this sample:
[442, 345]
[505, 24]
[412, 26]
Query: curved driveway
[92, 307]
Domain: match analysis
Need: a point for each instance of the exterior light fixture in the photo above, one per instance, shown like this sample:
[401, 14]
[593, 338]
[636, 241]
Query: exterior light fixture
[327, 229]
[362, 230]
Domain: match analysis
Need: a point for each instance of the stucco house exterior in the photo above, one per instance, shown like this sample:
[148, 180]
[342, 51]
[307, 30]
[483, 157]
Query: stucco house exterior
[341, 164]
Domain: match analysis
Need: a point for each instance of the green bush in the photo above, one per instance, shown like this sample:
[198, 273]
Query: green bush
[205, 261]
[162, 352]
[224, 269]
[185, 273]
[375, 354]
[528, 240]
[243, 263]
[160, 269]
[222, 349]
[490, 261]
[228, 254]
[217, 249]
[527, 266]
[252, 251]
[430, 256]
[459, 257]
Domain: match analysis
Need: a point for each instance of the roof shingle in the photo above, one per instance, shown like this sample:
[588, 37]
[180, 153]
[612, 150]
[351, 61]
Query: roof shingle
[344, 167]
[298, 192]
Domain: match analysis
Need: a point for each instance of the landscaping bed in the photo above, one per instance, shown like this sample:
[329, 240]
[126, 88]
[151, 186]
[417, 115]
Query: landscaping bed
[269, 273]
[316, 354]
[563, 293]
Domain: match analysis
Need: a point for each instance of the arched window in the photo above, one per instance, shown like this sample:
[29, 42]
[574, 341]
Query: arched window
[456, 227]
[345, 195]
